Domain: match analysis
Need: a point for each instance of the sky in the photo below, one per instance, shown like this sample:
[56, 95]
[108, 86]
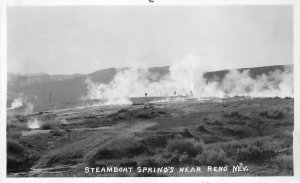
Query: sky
[84, 39]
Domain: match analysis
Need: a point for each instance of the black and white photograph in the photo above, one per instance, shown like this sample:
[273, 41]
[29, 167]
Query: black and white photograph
[150, 91]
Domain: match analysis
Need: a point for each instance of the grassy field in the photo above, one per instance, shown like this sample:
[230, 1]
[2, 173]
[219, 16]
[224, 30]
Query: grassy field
[256, 132]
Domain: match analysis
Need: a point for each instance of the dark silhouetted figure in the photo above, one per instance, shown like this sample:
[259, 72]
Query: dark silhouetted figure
[175, 93]
[146, 94]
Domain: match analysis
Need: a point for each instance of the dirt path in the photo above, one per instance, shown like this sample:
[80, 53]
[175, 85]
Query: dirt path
[124, 133]
[84, 149]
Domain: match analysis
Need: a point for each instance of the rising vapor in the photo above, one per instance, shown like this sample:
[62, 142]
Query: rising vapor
[33, 123]
[186, 78]
[21, 103]
[17, 103]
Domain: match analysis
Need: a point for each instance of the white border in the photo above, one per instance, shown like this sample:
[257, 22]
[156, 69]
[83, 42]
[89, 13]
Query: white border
[3, 87]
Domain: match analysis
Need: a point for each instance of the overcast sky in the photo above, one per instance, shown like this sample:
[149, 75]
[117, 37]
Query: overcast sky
[66, 40]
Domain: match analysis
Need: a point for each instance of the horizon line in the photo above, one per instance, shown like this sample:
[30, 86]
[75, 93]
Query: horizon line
[44, 73]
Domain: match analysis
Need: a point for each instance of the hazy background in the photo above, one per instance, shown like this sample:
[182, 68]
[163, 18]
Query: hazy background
[70, 40]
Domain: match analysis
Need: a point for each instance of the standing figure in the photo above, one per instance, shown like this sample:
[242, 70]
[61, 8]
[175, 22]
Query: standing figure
[146, 94]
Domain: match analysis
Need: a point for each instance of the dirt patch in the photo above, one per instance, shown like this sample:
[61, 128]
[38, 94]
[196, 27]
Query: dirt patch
[88, 149]
[34, 132]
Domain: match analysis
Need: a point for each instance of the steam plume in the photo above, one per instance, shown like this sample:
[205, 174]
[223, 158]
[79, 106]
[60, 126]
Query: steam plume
[186, 78]
[17, 103]
[22, 104]
[33, 123]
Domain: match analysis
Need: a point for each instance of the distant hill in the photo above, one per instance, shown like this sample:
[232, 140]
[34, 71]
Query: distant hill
[254, 72]
[44, 89]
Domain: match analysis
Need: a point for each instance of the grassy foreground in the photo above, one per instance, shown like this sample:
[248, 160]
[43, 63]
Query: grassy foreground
[255, 132]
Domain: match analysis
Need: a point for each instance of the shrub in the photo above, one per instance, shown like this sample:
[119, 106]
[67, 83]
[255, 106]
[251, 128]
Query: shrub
[275, 114]
[254, 153]
[50, 125]
[186, 133]
[126, 162]
[146, 114]
[161, 112]
[18, 157]
[210, 120]
[13, 146]
[236, 114]
[13, 163]
[14, 135]
[57, 132]
[212, 157]
[187, 145]
[47, 126]
[147, 162]
[247, 149]
[184, 158]
[284, 164]
[123, 110]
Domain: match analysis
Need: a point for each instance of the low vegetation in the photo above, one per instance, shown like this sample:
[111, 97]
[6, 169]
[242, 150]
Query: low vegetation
[48, 125]
[191, 147]
[284, 163]
[255, 132]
